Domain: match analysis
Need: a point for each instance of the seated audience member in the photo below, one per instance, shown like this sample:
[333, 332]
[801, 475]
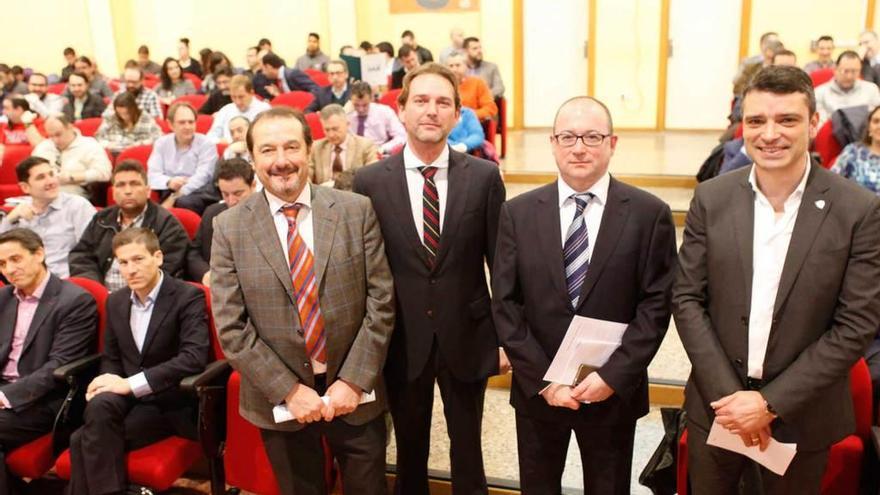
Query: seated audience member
[758, 58]
[456, 39]
[217, 61]
[48, 322]
[22, 126]
[9, 85]
[264, 47]
[846, 89]
[241, 91]
[785, 57]
[238, 128]
[276, 79]
[219, 95]
[144, 62]
[475, 93]
[860, 160]
[57, 217]
[146, 98]
[127, 126]
[254, 63]
[78, 160]
[348, 51]
[314, 58]
[869, 53]
[468, 134]
[44, 103]
[235, 178]
[92, 257]
[205, 59]
[157, 335]
[407, 38]
[366, 48]
[337, 92]
[487, 71]
[409, 60]
[387, 49]
[18, 72]
[187, 64]
[173, 84]
[374, 120]
[70, 68]
[824, 52]
[336, 157]
[82, 103]
[97, 81]
[181, 166]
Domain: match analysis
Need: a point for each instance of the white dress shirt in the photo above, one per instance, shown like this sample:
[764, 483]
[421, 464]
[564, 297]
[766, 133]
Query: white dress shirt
[592, 213]
[139, 322]
[415, 183]
[772, 235]
[306, 230]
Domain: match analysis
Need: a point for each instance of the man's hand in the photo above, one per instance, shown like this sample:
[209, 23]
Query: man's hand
[272, 89]
[592, 389]
[304, 404]
[206, 279]
[504, 366]
[108, 382]
[558, 395]
[176, 183]
[237, 147]
[344, 399]
[169, 201]
[743, 413]
[22, 211]
[761, 439]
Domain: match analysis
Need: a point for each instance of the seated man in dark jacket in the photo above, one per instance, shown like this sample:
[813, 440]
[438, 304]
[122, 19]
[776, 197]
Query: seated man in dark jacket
[219, 96]
[82, 103]
[92, 257]
[45, 322]
[235, 179]
[157, 335]
[275, 79]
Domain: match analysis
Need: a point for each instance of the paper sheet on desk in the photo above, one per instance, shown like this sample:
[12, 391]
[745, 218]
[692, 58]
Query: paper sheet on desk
[587, 341]
[282, 414]
[776, 458]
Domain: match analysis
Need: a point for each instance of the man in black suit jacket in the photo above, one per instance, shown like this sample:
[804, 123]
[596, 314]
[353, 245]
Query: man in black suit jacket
[157, 334]
[409, 60]
[44, 323]
[235, 179]
[587, 245]
[93, 105]
[275, 79]
[338, 92]
[444, 329]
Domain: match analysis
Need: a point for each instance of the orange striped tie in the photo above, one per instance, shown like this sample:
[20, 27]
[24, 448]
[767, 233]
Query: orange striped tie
[302, 272]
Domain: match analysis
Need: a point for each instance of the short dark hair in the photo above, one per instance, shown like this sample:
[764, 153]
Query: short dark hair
[360, 89]
[263, 41]
[85, 60]
[848, 54]
[38, 74]
[23, 169]
[27, 238]
[314, 35]
[69, 51]
[144, 49]
[825, 37]
[80, 75]
[233, 168]
[272, 60]
[404, 51]
[185, 41]
[19, 102]
[129, 165]
[467, 41]
[407, 33]
[783, 80]
[385, 47]
[280, 113]
[429, 68]
[140, 235]
[223, 71]
[365, 46]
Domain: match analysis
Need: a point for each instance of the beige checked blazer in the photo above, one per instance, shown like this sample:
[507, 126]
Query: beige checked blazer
[255, 307]
[359, 151]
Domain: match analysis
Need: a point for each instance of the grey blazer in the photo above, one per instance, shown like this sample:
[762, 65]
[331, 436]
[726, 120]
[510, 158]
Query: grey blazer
[255, 306]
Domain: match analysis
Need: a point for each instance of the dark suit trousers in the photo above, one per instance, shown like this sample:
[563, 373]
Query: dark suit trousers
[606, 455]
[718, 471]
[298, 461]
[17, 429]
[411, 408]
[114, 425]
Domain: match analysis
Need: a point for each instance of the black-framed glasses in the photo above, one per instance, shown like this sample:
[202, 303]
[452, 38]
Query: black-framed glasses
[593, 139]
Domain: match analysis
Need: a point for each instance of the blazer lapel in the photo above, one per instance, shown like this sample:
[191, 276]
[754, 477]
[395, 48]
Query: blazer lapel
[161, 307]
[457, 193]
[743, 206]
[610, 227]
[549, 233]
[266, 239]
[47, 302]
[324, 219]
[398, 195]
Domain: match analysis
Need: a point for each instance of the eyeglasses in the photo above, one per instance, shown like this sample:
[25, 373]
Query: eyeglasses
[593, 139]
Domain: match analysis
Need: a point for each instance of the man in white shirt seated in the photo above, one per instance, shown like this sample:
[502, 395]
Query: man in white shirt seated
[79, 160]
[241, 90]
[42, 101]
[846, 89]
[181, 166]
[57, 217]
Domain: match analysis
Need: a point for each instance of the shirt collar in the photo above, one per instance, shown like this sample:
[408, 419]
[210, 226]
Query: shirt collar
[137, 220]
[151, 297]
[410, 160]
[599, 190]
[797, 194]
[38, 292]
[276, 203]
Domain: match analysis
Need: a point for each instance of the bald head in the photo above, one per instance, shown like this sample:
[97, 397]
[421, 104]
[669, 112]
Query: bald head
[582, 105]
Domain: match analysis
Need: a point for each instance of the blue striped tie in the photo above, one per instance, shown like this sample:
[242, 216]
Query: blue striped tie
[575, 250]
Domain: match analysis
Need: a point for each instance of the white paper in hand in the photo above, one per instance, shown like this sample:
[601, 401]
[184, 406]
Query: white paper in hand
[587, 341]
[281, 414]
[776, 458]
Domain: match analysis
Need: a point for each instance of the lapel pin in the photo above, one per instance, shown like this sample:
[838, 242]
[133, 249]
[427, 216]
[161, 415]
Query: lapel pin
[820, 204]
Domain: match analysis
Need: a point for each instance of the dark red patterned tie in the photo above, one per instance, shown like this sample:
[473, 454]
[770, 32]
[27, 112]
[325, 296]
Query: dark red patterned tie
[430, 213]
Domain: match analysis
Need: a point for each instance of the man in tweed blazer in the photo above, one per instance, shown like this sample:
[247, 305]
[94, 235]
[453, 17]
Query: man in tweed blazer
[256, 299]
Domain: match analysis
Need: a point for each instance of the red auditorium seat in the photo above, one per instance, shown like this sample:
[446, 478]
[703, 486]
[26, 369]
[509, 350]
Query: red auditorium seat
[821, 76]
[188, 218]
[826, 145]
[195, 100]
[318, 77]
[163, 124]
[293, 99]
[56, 89]
[390, 99]
[13, 154]
[843, 472]
[204, 123]
[88, 127]
[314, 120]
[196, 80]
[141, 153]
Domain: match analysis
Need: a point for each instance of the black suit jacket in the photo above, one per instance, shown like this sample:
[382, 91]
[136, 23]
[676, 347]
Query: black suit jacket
[297, 80]
[93, 107]
[628, 281]
[64, 329]
[177, 343]
[324, 96]
[397, 78]
[198, 256]
[451, 300]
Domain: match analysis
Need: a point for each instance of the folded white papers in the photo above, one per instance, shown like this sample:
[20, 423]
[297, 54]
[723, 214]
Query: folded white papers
[587, 341]
[776, 458]
[282, 414]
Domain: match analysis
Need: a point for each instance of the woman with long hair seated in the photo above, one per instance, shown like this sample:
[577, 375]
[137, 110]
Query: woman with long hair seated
[127, 126]
[173, 84]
